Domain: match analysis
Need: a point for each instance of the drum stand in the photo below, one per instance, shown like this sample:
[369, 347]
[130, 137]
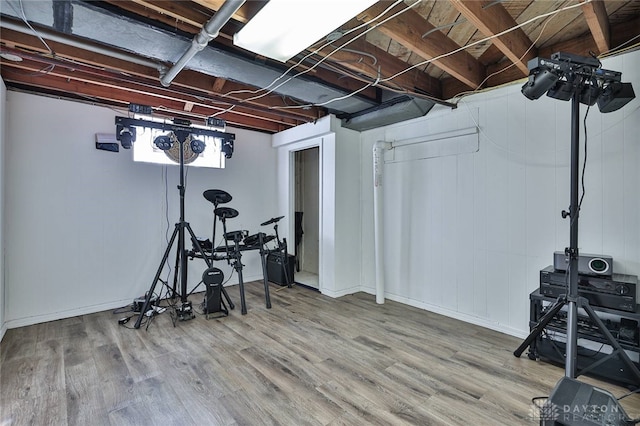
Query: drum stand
[234, 258]
[184, 311]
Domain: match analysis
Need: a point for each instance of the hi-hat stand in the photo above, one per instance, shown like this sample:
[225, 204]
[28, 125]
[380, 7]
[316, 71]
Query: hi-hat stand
[184, 311]
[572, 300]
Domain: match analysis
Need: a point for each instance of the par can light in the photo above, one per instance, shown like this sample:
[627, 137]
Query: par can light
[163, 142]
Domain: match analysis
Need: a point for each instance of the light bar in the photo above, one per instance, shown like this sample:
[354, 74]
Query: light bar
[284, 28]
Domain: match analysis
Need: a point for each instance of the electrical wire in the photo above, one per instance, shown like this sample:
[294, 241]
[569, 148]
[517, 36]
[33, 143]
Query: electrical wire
[23, 16]
[387, 79]
[500, 34]
[626, 395]
[269, 89]
[533, 44]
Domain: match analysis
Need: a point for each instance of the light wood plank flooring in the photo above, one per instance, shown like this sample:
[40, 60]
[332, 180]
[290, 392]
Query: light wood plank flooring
[310, 360]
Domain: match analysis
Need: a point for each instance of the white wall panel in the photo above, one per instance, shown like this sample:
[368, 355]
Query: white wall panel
[486, 223]
[86, 228]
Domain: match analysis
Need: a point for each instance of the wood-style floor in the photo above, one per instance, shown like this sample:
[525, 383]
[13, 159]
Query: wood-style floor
[310, 360]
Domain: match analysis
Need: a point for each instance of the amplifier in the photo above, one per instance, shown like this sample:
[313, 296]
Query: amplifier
[589, 264]
[276, 271]
[616, 292]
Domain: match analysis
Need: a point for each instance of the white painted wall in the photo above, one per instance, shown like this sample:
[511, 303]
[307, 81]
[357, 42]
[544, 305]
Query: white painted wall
[466, 235]
[339, 270]
[3, 111]
[85, 229]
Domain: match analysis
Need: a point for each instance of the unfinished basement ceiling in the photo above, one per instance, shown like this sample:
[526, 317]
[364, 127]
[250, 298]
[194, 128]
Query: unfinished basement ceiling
[385, 70]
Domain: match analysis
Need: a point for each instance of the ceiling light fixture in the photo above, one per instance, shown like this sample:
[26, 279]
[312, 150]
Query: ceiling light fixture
[284, 28]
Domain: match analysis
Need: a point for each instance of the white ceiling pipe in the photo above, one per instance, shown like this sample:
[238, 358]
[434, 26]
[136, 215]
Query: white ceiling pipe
[378, 162]
[209, 31]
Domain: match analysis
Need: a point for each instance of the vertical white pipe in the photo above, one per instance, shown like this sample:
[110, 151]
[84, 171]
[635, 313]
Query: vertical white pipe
[378, 163]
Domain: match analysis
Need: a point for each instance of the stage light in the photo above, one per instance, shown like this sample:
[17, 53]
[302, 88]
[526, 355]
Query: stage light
[173, 138]
[126, 135]
[562, 90]
[615, 96]
[163, 142]
[227, 148]
[589, 95]
[539, 83]
[197, 146]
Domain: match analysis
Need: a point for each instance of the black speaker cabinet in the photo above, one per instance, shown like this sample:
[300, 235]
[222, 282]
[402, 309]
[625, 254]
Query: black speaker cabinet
[573, 403]
[276, 272]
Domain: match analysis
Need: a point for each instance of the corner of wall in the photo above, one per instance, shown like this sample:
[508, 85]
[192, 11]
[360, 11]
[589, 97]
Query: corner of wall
[3, 109]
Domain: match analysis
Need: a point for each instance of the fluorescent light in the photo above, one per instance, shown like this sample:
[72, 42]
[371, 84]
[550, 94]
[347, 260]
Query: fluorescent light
[284, 28]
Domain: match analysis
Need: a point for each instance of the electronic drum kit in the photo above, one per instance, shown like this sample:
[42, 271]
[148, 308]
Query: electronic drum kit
[235, 243]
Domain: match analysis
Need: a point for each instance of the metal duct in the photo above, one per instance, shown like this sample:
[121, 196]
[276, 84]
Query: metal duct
[92, 22]
[399, 109]
[137, 42]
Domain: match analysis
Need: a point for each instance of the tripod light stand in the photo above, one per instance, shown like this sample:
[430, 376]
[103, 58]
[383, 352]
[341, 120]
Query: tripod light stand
[581, 80]
[181, 130]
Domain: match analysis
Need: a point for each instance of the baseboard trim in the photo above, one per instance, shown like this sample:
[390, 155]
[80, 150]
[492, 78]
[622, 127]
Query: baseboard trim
[53, 316]
[336, 294]
[471, 319]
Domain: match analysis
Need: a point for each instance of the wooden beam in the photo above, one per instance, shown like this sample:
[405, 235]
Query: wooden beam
[114, 95]
[218, 84]
[189, 81]
[493, 21]
[364, 58]
[101, 86]
[243, 14]
[596, 15]
[407, 29]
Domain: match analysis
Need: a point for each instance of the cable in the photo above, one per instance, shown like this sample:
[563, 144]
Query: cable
[269, 88]
[629, 394]
[508, 30]
[533, 44]
[584, 163]
[23, 16]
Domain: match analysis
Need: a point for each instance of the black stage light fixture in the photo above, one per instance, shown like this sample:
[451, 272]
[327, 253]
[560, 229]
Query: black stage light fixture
[126, 135]
[562, 90]
[541, 79]
[163, 142]
[615, 96]
[197, 146]
[227, 147]
[589, 95]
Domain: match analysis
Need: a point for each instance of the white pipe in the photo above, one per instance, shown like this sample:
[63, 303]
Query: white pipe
[378, 163]
[209, 31]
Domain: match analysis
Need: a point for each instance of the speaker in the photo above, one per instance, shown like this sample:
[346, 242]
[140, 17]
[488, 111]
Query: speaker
[573, 403]
[276, 271]
[588, 264]
[213, 278]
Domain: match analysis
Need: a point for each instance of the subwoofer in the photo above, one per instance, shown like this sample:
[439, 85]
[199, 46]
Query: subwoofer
[280, 268]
